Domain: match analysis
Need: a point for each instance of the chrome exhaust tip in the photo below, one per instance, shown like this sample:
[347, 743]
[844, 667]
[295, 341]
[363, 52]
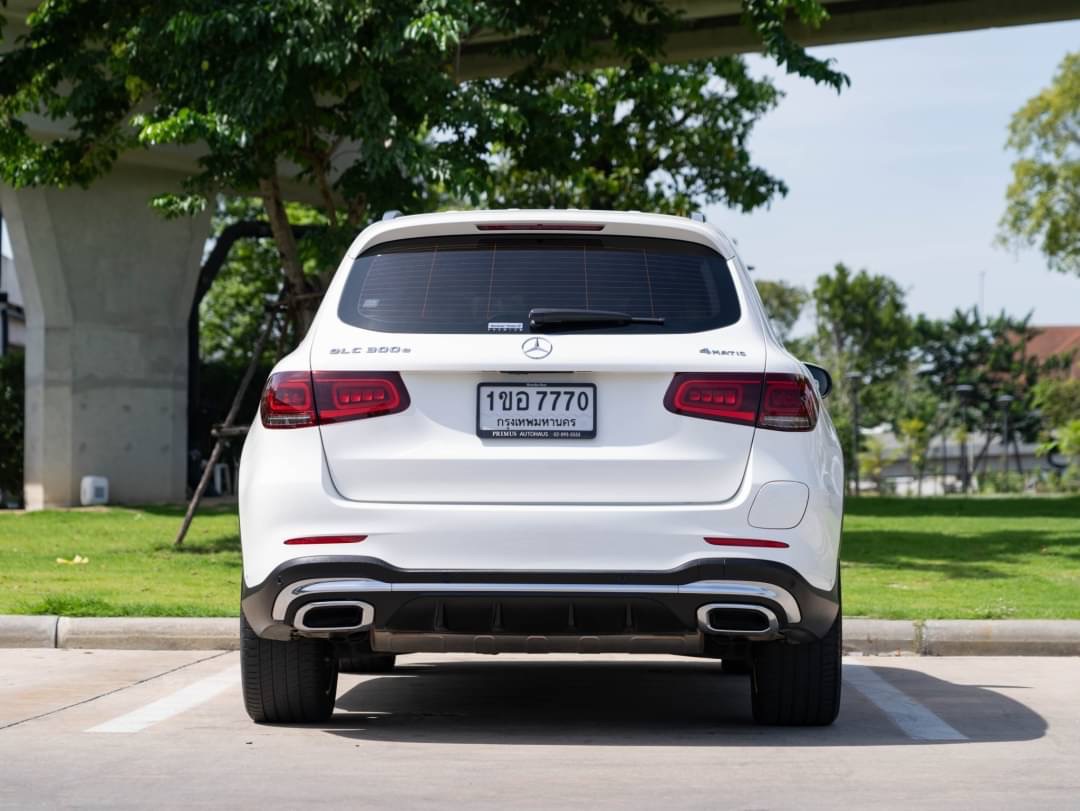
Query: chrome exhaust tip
[738, 619]
[334, 615]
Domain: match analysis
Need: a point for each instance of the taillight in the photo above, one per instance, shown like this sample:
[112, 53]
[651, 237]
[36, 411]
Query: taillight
[789, 404]
[300, 399]
[781, 402]
[341, 396]
[724, 397]
[287, 401]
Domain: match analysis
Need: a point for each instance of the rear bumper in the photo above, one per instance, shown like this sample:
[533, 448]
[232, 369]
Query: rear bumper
[298, 499]
[655, 611]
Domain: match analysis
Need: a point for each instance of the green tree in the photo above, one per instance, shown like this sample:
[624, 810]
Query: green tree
[363, 98]
[1043, 200]
[1069, 444]
[990, 355]
[231, 312]
[915, 435]
[918, 415]
[862, 323]
[784, 304]
[1058, 400]
[874, 460]
[665, 138]
[863, 329]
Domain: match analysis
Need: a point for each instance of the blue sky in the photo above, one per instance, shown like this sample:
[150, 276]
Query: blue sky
[905, 172]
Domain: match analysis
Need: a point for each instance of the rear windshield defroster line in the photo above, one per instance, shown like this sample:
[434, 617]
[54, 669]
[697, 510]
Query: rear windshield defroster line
[486, 284]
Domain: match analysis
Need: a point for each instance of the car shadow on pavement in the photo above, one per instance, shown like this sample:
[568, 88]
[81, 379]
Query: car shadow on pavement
[651, 703]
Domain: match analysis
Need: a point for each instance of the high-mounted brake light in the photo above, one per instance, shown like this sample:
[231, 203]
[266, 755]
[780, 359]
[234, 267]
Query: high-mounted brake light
[540, 226]
[300, 399]
[780, 402]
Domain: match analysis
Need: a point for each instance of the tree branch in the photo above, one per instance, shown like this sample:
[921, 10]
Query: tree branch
[285, 239]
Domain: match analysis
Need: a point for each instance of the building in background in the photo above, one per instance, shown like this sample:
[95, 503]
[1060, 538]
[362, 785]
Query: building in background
[1057, 340]
[945, 465]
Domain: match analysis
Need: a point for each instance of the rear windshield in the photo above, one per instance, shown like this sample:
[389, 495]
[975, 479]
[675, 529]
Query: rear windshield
[488, 284]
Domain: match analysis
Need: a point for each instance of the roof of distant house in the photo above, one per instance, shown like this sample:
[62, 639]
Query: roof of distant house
[1054, 340]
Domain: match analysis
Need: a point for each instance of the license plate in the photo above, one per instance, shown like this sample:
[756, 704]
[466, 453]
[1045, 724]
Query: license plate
[536, 410]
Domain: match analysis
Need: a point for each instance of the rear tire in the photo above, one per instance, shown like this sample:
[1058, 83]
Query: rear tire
[287, 682]
[797, 685]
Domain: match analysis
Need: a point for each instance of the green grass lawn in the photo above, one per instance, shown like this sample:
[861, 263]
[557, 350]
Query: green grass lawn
[928, 558]
[133, 569]
[952, 558]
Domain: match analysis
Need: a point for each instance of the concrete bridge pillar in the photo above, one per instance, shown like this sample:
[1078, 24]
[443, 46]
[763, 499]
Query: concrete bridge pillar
[107, 285]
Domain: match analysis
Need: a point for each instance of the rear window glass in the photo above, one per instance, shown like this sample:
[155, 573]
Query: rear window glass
[489, 284]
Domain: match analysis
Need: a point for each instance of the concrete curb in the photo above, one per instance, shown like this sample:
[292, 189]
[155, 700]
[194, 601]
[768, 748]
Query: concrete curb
[1001, 638]
[136, 633]
[875, 637]
[27, 632]
[868, 637]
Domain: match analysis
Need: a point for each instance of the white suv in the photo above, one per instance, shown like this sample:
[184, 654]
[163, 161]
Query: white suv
[541, 431]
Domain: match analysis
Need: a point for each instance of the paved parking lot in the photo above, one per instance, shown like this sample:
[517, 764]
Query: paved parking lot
[141, 728]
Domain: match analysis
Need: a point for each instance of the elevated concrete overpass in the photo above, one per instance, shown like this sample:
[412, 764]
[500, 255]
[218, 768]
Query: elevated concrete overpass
[108, 284]
[714, 27]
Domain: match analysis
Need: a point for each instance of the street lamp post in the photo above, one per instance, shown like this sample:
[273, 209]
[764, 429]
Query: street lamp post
[1003, 400]
[855, 379]
[965, 392]
[946, 419]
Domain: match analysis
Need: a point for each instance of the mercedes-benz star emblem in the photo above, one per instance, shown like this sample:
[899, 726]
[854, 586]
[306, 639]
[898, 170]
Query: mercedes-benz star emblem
[536, 348]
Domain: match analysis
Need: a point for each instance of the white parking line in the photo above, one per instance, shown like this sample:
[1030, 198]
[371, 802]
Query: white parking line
[917, 722]
[181, 701]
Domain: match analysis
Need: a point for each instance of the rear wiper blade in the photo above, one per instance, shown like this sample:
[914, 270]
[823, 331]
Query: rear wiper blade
[549, 319]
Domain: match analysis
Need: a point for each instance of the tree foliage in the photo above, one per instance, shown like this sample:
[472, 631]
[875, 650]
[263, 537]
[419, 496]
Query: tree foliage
[232, 311]
[362, 98]
[990, 355]
[862, 329]
[1043, 200]
[915, 436]
[784, 304]
[1058, 400]
[768, 18]
[649, 137]
[874, 460]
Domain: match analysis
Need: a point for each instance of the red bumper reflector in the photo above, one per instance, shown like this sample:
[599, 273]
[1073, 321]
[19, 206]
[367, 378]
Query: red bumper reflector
[325, 539]
[746, 542]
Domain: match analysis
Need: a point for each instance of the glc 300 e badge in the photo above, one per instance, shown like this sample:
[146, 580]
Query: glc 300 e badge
[536, 348]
